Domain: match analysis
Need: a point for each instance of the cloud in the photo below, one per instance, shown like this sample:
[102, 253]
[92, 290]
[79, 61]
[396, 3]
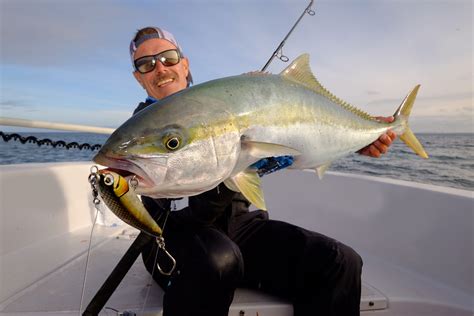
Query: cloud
[372, 92]
[16, 105]
[457, 105]
[445, 97]
[79, 50]
[442, 124]
[59, 33]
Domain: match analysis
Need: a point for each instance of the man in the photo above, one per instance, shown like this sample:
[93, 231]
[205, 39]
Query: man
[219, 244]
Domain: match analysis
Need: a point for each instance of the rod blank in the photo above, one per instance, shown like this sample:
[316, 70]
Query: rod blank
[7, 121]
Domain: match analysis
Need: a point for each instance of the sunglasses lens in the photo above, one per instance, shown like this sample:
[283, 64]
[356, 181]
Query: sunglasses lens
[169, 58]
[148, 63]
[145, 64]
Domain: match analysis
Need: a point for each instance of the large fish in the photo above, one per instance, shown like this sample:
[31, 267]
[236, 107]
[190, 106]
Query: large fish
[210, 133]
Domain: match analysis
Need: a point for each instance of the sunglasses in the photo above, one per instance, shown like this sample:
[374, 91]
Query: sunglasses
[148, 63]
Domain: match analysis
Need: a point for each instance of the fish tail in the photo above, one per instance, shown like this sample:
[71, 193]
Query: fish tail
[402, 113]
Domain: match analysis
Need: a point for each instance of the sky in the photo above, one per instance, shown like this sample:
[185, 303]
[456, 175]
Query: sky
[67, 60]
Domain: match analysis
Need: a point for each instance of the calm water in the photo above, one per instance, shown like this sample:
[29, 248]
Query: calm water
[451, 160]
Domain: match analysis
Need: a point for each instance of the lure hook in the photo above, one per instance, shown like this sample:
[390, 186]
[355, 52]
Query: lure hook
[161, 244]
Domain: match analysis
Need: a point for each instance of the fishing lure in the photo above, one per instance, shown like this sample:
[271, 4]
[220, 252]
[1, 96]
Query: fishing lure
[125, 203]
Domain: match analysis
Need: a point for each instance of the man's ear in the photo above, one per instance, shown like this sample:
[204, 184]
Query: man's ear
[185, 62]
[137, 76]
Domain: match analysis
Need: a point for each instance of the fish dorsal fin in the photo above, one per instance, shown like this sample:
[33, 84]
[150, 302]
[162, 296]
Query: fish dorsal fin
[300, 72]
[248, 183]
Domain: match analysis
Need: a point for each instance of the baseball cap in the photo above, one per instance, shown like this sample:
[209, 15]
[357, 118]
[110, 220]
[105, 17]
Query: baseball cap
[160, 33]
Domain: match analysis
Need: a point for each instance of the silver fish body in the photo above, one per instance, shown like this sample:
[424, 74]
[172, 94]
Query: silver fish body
[191, 141]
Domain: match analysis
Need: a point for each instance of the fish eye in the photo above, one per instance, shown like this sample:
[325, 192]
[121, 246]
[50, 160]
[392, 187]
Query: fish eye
[173, 143]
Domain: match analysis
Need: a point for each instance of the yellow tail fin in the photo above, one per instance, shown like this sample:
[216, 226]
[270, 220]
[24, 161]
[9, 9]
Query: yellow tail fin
[403, 112]
[411, 141]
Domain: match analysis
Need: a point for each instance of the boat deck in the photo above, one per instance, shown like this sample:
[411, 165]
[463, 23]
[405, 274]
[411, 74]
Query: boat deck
[415, 240]
[59, 291]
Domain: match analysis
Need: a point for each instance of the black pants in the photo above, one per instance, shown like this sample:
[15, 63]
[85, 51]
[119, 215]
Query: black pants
[319, 275]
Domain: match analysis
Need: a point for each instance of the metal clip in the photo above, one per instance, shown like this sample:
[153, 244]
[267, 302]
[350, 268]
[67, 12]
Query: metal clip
[161, 244]
[133, 182]
[93, 179]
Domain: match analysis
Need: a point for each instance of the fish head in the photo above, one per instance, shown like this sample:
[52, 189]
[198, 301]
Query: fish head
[178, 147]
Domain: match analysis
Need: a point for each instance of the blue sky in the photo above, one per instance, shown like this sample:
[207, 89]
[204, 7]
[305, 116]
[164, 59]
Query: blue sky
[67, 60]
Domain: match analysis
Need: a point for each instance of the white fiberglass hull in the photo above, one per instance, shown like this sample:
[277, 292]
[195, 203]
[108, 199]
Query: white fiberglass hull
[416, 241]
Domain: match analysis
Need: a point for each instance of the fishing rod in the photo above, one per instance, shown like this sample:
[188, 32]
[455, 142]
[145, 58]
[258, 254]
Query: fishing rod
[8, 121]
[279, 50]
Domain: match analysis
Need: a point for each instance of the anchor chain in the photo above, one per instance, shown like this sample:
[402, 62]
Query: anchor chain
[48, 142]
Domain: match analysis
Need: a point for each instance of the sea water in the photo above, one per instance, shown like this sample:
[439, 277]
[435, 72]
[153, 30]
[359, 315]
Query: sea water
[451, 161]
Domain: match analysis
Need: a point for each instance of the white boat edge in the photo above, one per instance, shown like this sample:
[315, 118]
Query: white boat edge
[416, 240]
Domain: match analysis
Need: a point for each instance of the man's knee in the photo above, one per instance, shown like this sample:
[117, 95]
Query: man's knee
[221, 257]
[330, 260]
[350, 258]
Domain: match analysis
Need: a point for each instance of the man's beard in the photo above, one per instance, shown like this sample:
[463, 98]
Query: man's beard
[161, 78]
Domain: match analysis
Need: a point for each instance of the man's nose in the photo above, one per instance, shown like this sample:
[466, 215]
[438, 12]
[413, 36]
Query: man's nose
[159, 66]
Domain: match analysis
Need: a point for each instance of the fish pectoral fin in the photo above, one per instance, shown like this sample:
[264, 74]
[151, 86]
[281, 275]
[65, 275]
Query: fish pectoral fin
[264, 150]
[230, 184]
[248, 183]
[321, 170]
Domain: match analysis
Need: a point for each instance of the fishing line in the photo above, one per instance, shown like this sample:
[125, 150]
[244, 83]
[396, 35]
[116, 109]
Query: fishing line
[172, 208]
[93, 179]
[87, 258]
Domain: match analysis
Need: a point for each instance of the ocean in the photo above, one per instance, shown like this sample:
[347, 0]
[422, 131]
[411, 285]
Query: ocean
[451, 162]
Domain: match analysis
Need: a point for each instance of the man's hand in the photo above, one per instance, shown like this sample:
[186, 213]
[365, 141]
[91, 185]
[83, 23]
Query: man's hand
[381, 145]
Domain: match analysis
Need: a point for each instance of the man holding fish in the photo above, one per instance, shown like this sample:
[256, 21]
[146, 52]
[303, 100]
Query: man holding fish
[219, 244]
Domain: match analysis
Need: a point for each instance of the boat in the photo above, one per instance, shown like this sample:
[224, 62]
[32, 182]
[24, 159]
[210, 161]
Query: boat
[416, 241]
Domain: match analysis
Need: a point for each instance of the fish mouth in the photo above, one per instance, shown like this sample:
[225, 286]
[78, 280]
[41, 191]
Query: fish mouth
[126, 169]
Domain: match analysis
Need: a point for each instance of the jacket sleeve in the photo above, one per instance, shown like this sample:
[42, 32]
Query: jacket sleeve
[207, 207]
[140, 107]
